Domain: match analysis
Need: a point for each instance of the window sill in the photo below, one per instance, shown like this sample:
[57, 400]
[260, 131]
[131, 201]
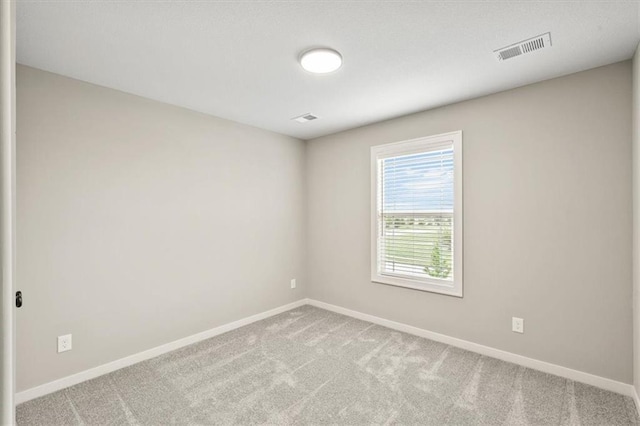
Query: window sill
[453, 290]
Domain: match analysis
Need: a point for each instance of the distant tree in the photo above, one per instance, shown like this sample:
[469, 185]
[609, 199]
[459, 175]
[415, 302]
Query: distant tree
[440, 266]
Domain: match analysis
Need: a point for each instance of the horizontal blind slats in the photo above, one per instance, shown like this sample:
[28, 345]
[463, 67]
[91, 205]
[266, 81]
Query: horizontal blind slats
[416, 214]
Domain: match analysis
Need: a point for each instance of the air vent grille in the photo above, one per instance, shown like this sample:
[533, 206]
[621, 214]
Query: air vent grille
[525, 46]
[304, 118]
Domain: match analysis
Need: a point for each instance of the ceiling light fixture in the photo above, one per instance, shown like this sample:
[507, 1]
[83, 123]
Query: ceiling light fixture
[321, 61]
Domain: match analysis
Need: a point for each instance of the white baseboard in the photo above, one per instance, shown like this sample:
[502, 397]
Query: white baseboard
[92, 373]
[568, 373]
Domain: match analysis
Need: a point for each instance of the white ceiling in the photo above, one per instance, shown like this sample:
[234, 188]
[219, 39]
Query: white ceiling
[238, 60]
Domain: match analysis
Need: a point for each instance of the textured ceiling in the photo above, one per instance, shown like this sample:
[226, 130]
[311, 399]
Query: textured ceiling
[238, 60]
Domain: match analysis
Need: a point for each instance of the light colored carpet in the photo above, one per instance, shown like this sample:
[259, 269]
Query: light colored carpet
[311, 366]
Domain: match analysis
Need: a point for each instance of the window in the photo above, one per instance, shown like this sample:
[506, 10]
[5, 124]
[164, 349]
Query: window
[417, 214]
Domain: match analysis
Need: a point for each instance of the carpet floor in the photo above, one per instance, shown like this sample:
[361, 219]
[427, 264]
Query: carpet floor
[311, 366]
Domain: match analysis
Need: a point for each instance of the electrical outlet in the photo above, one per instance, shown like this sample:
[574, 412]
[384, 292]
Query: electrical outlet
[64, 343]
[517, 325]
[293, 283]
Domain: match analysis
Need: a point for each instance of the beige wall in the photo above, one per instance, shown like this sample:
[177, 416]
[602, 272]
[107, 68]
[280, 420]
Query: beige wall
[142, 223]
[636, 219]
[547, 222]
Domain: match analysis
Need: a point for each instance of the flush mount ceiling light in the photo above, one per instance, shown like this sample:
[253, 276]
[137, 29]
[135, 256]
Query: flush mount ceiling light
[321, 61]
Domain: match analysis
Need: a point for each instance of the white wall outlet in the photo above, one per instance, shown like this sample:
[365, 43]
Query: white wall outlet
[517, 325]
[293, 283]
[64, 343]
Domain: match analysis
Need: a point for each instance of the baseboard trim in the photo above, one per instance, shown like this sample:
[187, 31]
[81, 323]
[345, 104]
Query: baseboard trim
[92, 373]
[568, 373]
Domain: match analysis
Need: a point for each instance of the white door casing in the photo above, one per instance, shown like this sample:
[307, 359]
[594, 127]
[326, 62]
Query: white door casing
[7, 209]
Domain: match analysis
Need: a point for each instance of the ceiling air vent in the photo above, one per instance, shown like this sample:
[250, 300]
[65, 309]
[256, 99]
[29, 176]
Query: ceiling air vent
[305, 118]
[523, 47]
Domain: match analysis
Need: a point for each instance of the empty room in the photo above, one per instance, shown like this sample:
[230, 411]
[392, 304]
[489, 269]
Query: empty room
[320, 212]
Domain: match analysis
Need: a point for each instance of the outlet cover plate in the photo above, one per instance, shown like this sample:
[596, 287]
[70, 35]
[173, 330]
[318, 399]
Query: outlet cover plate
[517, 325]
[64, 343]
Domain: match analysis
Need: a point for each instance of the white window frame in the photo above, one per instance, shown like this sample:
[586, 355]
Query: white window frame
[379, 152]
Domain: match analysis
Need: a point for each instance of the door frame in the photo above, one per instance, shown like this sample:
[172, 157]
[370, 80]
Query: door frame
[7, 210]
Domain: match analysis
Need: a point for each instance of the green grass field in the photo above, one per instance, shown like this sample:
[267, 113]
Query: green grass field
[411, 241]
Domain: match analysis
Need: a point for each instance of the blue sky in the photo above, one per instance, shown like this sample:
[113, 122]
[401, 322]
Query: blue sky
[419, 181]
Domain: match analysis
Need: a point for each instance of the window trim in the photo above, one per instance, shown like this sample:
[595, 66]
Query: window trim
[423, 144]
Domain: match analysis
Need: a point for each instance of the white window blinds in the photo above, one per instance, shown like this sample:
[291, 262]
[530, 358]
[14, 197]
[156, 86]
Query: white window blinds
[416, 214]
